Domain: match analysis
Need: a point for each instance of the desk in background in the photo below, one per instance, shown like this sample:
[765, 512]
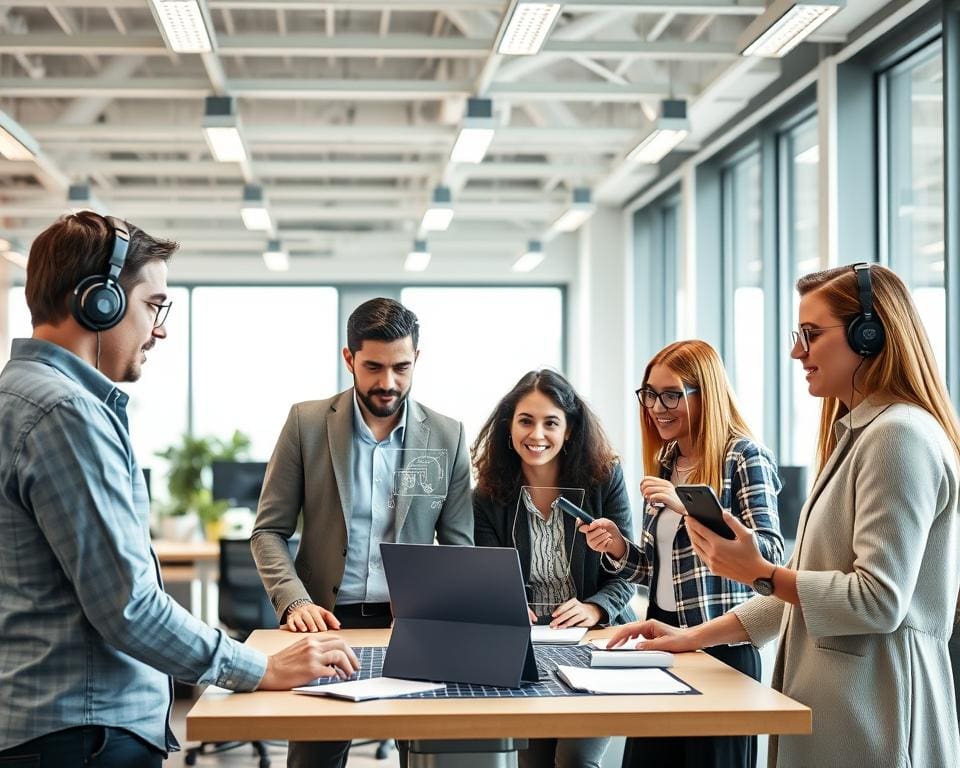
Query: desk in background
[730, 704]
[190, 561]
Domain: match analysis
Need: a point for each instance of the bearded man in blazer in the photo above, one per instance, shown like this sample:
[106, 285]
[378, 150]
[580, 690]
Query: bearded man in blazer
[368, 465]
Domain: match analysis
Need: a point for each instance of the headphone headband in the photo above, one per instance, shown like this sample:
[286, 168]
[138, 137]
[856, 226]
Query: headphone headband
[865, 289]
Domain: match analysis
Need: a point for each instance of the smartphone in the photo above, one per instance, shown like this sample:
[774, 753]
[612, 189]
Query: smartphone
[702, 504]
[574, 511]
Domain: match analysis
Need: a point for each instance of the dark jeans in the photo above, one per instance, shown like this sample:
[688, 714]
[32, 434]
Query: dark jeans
[333, 754]
[89, 746]
[699, 751]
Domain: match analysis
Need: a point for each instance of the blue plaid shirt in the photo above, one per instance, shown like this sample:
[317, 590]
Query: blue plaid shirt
[87, 634]
[750, 488]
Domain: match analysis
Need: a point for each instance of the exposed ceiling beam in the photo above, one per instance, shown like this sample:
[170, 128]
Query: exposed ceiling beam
[689, 7]
[360, 46]
[287, 5]
[354, 90]
[291, 169]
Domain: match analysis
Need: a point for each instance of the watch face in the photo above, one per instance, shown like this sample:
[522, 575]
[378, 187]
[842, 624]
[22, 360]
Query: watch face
[763, 587]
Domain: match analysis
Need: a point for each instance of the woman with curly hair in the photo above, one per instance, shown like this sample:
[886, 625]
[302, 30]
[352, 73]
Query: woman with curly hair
[542, 441]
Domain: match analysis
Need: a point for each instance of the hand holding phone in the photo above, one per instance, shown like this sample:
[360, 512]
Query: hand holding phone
[702, 504]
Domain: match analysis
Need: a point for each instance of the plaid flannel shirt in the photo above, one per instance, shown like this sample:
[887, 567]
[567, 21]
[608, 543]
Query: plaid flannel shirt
[87, 634]
[750, 488]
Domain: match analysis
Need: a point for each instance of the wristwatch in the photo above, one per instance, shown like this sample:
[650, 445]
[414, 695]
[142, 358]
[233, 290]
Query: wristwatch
[764, 586]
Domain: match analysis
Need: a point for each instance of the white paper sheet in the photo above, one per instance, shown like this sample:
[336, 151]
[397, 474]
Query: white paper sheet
[630, 645]
[372, 688]
[545, 634]
[612, 681]
[621, 659]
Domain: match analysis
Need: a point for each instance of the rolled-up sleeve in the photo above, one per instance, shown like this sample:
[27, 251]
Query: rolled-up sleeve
[75, 469]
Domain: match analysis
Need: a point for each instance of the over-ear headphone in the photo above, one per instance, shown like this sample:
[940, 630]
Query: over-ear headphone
[865, 334]
[99, 301]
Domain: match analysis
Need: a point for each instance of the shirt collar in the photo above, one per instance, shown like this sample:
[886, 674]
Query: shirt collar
[71, 366]
[362, 429]
[868, 409]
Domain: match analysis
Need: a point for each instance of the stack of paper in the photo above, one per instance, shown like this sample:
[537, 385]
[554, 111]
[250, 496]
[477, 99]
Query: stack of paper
[549, 636]
[609, 681]
[372, 688]
[618, 658]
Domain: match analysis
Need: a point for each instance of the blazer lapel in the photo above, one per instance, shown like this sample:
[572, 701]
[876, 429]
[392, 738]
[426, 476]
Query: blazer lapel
[862, 415]
[416, 435]
[340, 439]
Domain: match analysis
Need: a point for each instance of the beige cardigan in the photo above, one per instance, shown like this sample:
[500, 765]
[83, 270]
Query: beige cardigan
[877, 574]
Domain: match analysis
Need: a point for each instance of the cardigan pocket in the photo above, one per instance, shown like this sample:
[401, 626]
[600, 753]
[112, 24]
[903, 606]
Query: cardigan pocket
[850, 645]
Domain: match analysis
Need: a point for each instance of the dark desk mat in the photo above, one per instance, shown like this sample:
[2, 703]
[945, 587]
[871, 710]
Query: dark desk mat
[548, 657]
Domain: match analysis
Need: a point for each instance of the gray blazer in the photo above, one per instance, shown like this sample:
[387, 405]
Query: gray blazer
[310, 471]
[877, 574]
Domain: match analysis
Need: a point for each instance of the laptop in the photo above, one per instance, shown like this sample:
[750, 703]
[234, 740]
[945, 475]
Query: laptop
[460, 615]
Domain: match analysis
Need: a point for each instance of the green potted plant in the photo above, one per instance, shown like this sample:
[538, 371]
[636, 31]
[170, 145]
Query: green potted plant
[188, 481]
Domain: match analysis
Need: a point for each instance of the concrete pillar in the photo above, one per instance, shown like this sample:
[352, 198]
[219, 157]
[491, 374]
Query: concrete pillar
[602, 329]
[6, 268]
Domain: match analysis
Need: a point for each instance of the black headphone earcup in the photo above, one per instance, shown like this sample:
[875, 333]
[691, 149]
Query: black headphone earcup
[865, 337]
[99, 303]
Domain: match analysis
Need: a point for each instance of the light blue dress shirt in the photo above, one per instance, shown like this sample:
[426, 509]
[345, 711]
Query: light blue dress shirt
[372, 515]
[87, 634]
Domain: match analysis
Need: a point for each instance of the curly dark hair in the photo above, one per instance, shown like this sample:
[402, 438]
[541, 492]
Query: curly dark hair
[588, 458]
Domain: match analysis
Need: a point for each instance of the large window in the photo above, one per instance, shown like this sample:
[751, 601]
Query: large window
[915, 201]
[743, 252]
[475, 343]
[799, 166]
[256, 351]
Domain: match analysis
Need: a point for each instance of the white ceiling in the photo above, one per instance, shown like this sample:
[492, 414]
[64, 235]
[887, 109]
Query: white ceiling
[350, 109]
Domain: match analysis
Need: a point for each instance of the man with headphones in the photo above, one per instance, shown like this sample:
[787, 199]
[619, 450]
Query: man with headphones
[89, 641]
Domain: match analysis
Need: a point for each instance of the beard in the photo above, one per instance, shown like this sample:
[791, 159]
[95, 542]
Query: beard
[380, 411]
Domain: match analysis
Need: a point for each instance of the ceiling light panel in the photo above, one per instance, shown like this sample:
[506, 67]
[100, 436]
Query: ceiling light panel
[183, 25]
[528, 27]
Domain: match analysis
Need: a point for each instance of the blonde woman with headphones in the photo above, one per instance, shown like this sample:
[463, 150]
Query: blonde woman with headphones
[865, 607]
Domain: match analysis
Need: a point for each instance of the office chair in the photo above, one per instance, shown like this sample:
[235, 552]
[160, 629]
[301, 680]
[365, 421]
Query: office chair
[243, 607]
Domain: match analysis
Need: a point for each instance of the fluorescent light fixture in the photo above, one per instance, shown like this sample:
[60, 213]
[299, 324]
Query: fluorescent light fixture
[12, 253]
[222, 128]
[15, 142]
[15, 257]
[81, 198]
[183, 25]
[531, 259]
[784, 25]
[418, 258]
[476, 132]
[254, 210]
[438, 216]
[580, 210]
[527, 28]
[668, 131]
[276, 259]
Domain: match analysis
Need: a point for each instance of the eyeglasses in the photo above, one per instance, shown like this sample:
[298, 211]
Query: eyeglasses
[670, 398]
[802, 335]
[162, 311]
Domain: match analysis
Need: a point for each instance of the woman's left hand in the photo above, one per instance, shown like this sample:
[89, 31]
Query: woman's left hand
[573, 613]
[738, 559]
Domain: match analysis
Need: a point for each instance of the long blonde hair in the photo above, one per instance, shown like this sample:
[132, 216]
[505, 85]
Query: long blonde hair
[904, 371]
[697, 364]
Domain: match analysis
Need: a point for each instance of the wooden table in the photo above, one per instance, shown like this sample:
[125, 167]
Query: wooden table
[730, 704]
[189, 560]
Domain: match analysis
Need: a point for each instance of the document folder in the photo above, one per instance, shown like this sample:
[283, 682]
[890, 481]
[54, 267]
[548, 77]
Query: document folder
[460, 615]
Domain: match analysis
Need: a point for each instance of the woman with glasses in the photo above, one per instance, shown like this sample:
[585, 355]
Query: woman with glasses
[865, 609]
[693, 433]
[542, 440]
